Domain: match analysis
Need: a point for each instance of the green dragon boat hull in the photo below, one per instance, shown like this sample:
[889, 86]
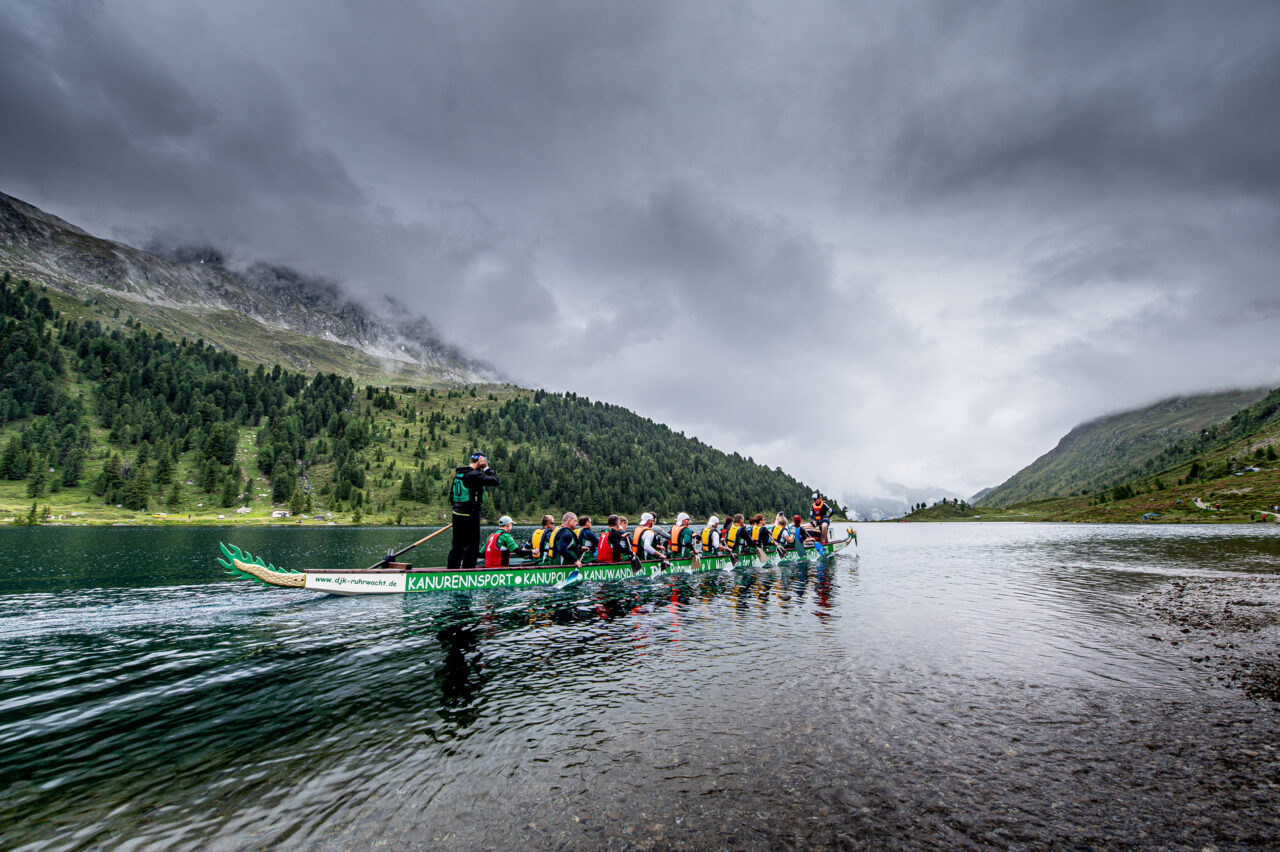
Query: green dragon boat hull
[394, 581]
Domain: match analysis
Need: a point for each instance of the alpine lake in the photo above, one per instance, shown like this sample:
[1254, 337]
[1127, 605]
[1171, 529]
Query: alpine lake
[943, 686]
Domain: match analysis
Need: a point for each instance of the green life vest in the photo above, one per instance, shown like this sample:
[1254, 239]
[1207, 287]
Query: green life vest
[460, 493]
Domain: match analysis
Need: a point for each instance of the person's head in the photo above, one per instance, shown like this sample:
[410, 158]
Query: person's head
[612, 523]
[548, 521]
[479, 459]
[683, 520]
[780, 519]
[757, 520]
[817, 498]
[569, 520]
[713, 521]
[622, 522]
[796, 520]
[646, 519]
[585, 522]
[505, 523]
[737, 519]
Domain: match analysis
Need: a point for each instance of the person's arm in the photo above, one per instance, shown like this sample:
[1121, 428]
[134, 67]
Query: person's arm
[646, 542]
[477, 479]
[565, 545]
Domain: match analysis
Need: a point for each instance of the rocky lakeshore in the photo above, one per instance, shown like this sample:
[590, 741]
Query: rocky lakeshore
[1230, 626]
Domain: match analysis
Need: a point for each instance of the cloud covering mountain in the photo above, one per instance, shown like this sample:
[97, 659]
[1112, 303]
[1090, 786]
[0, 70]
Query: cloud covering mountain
[911, 242]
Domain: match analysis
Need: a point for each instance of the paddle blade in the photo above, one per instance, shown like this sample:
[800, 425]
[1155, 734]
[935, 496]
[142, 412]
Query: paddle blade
[573, 578]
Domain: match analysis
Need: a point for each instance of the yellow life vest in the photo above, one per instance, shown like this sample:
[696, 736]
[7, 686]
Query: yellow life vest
[706, 539]
[731, 537]
[777, 532]
[541, 541]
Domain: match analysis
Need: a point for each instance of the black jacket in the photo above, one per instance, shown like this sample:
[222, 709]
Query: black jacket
[471, 487]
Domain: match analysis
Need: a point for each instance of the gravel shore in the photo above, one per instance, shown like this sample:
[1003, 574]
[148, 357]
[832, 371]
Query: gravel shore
[1228, 625]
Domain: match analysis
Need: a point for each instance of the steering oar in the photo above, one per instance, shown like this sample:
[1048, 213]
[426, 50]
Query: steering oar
[392, 557]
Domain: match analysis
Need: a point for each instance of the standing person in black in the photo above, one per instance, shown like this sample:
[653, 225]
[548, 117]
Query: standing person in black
[467, 494]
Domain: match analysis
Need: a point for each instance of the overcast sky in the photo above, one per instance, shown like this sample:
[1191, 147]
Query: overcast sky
[871, 243]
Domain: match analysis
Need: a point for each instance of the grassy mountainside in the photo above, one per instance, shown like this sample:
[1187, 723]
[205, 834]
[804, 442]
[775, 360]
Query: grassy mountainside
[1120, 447]
[107, 420]
[266, 314]
[1226, 473]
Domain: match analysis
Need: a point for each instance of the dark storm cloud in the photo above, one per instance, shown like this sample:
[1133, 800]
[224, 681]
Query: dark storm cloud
[109, 123]
[840, 237]
[1102, 97]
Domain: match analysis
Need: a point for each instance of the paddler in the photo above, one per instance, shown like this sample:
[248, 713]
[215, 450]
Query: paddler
[793, 536]
[540, 541]
[709, 538]
[681, 542]
[497, 550]
[467, 496]
[820, 516]
[733, 537]
[643, 538]
[588, 541]
[605, 553]
[779, 525]
[758, 534]
[565, 541]
[619, 543]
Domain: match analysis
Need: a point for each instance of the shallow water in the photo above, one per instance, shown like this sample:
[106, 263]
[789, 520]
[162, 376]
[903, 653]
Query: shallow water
[949, 686]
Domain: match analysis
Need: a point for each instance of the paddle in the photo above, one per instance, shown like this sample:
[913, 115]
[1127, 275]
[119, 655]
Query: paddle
[391, 557]
[572, 578]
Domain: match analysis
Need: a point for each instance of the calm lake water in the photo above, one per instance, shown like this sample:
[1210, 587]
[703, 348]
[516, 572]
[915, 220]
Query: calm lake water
[950, 686]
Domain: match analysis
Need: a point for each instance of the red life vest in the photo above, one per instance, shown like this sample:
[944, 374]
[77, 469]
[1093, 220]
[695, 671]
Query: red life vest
[605, 553]
[494, 556]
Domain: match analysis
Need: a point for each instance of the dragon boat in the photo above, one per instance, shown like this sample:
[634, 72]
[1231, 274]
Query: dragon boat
[401, 578]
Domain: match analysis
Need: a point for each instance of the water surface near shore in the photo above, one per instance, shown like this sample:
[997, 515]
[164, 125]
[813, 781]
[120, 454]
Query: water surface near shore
[954, 686]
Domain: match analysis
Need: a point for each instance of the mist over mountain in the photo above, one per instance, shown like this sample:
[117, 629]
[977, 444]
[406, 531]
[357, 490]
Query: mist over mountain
[895, 501]
[1117, 447]
[197, 289]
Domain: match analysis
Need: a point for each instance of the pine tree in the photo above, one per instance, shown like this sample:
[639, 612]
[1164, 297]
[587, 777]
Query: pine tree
[295, 503]
[111, 477]
[230, 490]
[174, 500]
[137, 494]
[36, 482]
[13, 460]
[164, 467]
[73, 467]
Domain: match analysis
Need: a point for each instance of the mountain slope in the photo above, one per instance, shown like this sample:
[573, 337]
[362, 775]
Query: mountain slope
[266, 314]
[100, 423]
[1118, 447]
